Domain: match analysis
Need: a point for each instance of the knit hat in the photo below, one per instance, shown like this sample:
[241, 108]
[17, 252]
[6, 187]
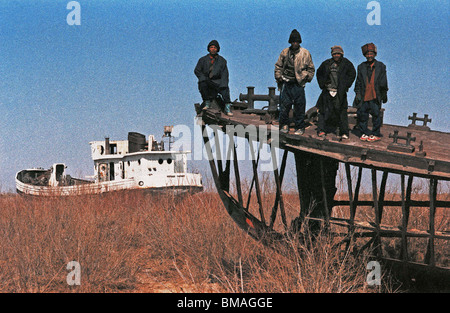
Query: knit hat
[369, 47]
[295, 37]
[337, 49]
[214, 43]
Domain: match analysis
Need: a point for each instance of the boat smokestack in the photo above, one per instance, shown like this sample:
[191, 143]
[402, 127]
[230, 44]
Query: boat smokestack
[168, 133]
[107, 148]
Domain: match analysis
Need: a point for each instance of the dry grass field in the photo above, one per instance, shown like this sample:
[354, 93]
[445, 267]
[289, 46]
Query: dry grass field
[130, 242]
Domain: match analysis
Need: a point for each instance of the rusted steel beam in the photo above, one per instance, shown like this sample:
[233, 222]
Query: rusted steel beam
[382, 192]
[430, 256]
[212, 164]
[393, 203]
[224, 176]
[324, 192]
[351, 229]
[378, 213]
[386, 230]
[405, 215]
[350, 191]
[236, 173]
[251, 185]
[256, 180]
[357, 188]
[278, 196]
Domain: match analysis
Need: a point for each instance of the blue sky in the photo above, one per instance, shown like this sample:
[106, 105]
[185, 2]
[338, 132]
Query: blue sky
[129, 65]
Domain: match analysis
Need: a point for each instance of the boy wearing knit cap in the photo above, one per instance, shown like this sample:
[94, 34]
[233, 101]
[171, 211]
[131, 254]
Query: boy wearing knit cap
[335, 76]
[212, 74]
[293, 69]
[371, 89]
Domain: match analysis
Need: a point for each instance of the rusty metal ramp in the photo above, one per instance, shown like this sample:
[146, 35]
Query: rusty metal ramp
[419, 227]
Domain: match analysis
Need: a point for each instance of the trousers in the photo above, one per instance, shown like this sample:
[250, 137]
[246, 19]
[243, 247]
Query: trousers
[292, 94]
[369, 108]
[210, 92]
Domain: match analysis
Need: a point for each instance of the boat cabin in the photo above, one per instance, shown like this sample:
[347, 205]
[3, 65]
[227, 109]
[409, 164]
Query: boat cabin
[136, 157]
[54, 176]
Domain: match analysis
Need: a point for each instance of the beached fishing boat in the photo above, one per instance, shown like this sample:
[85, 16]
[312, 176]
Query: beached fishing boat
[138, 163]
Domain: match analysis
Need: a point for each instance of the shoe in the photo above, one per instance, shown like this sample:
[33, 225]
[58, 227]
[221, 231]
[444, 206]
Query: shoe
[207, 104]
[285, 129]
[321, 134]
[228, 109]
[344, 136]
[364, 137]
[373, 138]
[299, 131]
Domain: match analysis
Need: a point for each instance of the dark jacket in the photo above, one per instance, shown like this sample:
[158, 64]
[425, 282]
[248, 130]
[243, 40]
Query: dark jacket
[219, 74]
[346, 76]
[380, 80]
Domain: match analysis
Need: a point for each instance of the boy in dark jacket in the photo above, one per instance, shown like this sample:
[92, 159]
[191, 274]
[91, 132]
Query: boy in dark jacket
[212, 74]
[371, 91]
[335, 76]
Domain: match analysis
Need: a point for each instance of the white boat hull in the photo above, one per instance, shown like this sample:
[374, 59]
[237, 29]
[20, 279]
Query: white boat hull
[174, 184]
